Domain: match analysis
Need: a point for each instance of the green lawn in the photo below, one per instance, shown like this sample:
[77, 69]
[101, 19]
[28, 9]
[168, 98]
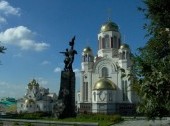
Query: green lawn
[103, 120]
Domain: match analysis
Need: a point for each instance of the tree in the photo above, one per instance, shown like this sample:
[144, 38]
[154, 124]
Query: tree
[2, 49]
[11, 108]
[151, 70]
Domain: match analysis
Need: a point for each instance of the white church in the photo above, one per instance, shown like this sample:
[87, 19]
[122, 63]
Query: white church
[102, 89]
[36, 99]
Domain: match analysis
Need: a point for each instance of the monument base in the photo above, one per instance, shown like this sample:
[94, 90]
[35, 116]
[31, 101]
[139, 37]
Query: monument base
[67, 94]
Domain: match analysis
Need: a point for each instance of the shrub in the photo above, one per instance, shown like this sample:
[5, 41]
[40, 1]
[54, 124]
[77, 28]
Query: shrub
[37, 115]
[99, 118]
[28, 124]
[15, 124]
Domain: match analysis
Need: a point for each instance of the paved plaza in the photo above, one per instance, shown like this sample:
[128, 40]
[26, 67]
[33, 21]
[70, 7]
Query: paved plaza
[144, 122]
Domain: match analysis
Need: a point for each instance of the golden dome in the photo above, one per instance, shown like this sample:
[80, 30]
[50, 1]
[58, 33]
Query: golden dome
[104, 84]
[124, 46]
[109, 26]
[87, 50]
[29, 101]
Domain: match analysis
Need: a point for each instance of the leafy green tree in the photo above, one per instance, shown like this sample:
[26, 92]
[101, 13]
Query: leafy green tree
[2, 49]
[11, 109]
[151, 71]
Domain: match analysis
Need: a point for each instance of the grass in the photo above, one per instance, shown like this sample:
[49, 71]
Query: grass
[101, 119]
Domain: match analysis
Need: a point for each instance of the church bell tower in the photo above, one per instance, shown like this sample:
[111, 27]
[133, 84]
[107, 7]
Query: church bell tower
[109, 40]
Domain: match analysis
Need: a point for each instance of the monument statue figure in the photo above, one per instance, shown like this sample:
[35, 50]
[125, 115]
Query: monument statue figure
[66, 60]
[69, 56]
[65, 106]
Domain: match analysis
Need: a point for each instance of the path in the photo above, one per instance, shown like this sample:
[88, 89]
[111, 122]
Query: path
[144, 122]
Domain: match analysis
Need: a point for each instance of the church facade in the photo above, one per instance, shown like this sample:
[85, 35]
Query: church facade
[102, 88]
[36, 99]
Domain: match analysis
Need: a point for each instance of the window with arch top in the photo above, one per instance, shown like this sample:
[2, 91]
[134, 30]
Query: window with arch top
[94, 96]
[115, 42]
[105, 72]
[106, 43]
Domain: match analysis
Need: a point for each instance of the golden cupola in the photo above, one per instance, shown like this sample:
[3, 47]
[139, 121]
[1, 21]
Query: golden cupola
[109, 26]
[104, 84]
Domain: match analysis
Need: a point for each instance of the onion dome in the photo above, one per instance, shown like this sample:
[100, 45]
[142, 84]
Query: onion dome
[109, 26]
[124, 46]
[87, 51]
[29, 101]
[34, 83]
[104, 84]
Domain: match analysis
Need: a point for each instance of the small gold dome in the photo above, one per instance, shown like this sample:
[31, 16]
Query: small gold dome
[87, 50]
[29, 101]
[109, 26]
[124, 46]
[104, 84]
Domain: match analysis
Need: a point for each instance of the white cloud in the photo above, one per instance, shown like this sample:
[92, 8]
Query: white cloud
[77, 73]
[23, 37]
[11, 90]
[18, 55]
[76, 70]
[2, 20]
[40, 46]
[3, 83]
[57, 69]
[20, 36]
[7, 9]
[42, 81]
[45, 62]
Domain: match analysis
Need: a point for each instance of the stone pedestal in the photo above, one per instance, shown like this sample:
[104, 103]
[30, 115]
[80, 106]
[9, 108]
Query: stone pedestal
[67, 94]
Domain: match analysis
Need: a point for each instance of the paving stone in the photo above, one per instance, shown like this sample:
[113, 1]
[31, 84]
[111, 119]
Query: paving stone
[144, 122]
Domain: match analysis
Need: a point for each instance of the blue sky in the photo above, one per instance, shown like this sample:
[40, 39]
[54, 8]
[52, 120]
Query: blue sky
[35, 31]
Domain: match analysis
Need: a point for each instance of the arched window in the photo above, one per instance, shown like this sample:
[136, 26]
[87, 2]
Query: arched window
[119, 43]
[120, 55]
[78, 97]
[106, 42]
[112, 42]
[105, 72]
[85, 91]
[100, 42]
[94, 95]
[124, 90]
[123, 55]
[115, 42]
[110, 97]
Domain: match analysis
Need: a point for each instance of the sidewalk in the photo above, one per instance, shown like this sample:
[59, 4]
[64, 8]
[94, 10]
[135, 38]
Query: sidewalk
[144, 122]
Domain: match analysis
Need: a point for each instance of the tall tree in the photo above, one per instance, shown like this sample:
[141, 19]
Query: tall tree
[2, 49]
[152, 64]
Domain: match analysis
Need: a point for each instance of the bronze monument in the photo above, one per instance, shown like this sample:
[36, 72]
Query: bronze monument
[65, 107]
